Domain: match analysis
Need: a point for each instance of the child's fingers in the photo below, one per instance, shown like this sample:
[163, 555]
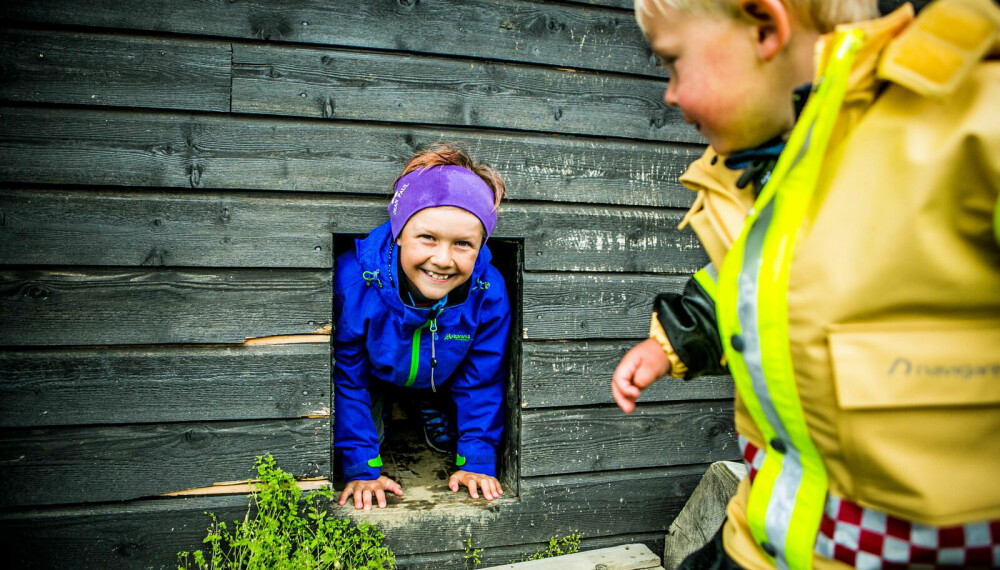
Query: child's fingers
[367, 494]
[453, 483]
[625, 403]
[347, 493]
[472, 489]
[358, 504]
[380, 497]
[395, 487]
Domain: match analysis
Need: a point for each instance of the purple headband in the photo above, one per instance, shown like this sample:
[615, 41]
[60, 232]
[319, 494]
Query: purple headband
[445, 185]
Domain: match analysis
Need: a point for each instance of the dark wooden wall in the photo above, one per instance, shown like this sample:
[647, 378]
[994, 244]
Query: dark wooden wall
[173, 175]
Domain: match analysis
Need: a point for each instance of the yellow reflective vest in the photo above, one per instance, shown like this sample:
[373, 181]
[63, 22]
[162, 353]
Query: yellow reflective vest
[859, 294]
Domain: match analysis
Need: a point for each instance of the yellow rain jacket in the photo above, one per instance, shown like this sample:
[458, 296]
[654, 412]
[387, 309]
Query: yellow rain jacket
[893, 282]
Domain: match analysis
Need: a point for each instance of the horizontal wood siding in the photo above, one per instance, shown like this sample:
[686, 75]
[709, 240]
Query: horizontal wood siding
[176, 150]
[121, 71]
[177, 177]
[60, 387]
[158, 306]
[599, 505]
[556, 34]
[578, 373]
[55, 227]
[330, 83]
[105, 463]
[597, 439]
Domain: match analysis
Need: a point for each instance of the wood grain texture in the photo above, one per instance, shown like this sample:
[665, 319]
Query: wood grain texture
[506, 554]
[565, 35]
[46, 466]
[108, 386]
[149, 228]
[123, 148]
[354, 85]
[95, 69]
[601, 439]
[567, 373]
[159, 306]
[572, 306]
[148, 534]
[211, 229]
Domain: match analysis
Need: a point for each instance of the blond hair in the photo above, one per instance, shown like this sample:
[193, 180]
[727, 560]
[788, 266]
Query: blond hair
[822, 15]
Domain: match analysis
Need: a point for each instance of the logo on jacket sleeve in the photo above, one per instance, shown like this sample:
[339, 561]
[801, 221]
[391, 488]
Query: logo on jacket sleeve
[458, 337]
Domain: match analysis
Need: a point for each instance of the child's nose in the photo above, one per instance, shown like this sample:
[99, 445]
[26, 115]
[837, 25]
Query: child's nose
[670, 95]
[441, 256]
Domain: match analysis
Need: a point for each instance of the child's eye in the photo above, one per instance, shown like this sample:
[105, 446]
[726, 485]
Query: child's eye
[426, 236]
[461, 243]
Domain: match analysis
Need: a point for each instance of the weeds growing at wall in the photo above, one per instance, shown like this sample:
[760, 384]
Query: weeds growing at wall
[284, 531]
[568, 544]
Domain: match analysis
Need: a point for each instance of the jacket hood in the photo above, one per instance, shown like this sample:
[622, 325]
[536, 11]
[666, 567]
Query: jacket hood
[378, 251]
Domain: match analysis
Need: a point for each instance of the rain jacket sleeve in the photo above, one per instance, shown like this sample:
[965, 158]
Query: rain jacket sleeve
[478, 387]
[355, 436]
[684, 324]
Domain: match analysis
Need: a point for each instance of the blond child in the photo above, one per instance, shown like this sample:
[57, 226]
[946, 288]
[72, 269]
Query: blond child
[849, 206]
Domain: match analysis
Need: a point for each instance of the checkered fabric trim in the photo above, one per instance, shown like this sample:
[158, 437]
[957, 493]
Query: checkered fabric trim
[872, 540]
[752, 456]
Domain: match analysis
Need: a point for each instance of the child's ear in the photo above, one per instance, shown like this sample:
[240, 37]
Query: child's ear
[770, 25]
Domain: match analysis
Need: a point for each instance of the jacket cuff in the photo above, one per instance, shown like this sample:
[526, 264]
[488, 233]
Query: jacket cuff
[482, 464]
[366, 470]
[677, 367]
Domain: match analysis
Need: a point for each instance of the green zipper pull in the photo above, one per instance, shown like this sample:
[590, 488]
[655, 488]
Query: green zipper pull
[434, 361]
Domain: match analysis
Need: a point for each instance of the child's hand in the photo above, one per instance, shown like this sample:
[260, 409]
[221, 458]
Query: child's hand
[363, 489]
[489, 485]
[639, 368]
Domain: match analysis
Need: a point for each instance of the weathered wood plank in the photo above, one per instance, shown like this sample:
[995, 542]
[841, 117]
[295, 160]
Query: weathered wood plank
[108, 386]
[704, 513]
[63, 146]
[655, 435]
[94, 69]
[46, 466]
[565, 373]
[606, 239]
[353, 85]
[184, 229]
[620, 557]
[159, 306]
[148, 534]
[64, 227]
[623, 4]
[555, 34]
[506, 554]
[591, 306]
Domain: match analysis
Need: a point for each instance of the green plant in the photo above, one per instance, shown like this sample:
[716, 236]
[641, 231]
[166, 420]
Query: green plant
[568, 544]
[282, 536]
[472, 555]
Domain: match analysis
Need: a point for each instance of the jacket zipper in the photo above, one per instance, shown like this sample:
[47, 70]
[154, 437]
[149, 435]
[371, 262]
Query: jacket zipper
[432, 324]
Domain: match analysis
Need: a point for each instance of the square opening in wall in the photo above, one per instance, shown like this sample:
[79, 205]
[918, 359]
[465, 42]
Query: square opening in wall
[385, 343]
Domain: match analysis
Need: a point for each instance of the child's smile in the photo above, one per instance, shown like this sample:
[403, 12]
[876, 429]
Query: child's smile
[438, 248]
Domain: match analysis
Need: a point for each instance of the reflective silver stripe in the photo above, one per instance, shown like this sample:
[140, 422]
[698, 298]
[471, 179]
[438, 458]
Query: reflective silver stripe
[712, 272]
[778, 517]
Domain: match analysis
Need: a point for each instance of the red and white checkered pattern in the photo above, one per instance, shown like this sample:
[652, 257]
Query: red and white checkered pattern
[872, 540]
[753, 456]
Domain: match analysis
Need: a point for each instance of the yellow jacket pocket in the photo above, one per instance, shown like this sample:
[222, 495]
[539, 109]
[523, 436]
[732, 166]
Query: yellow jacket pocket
[919, 417]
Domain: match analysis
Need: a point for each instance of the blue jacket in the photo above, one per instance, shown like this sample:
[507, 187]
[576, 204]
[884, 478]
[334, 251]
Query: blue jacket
[380, 338]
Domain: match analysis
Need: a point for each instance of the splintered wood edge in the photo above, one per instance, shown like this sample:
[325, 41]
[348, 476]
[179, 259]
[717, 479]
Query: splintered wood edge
[244, 487]
[317, 338]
